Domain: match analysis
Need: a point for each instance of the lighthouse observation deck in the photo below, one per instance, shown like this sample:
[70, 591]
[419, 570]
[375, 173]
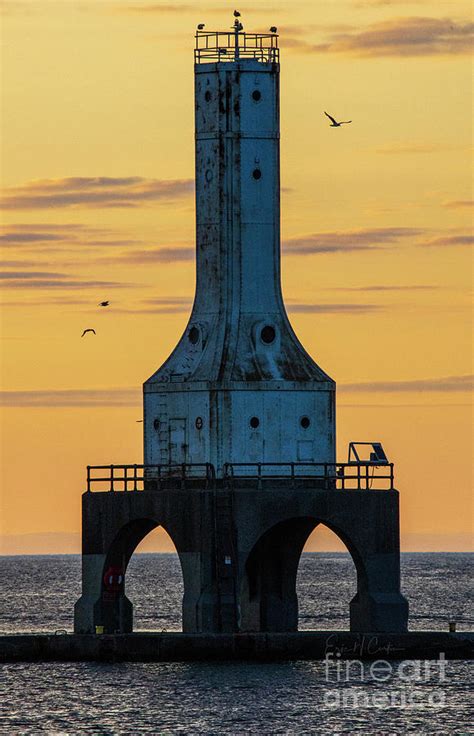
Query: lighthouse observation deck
[228, 46]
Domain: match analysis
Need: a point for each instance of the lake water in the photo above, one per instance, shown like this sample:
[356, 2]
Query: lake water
[38, 594]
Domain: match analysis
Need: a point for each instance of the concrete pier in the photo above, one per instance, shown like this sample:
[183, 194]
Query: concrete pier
[240, 576]
[177, 647]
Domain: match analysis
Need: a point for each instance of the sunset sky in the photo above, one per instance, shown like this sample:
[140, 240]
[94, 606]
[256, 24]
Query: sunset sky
[98, 203]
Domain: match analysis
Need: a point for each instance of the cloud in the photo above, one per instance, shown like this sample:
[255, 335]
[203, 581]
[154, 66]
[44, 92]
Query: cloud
[156, 8]
[45, 302]
[411, 36]
[23, 263]
[82, 398]
[332, 308]
[57, 281]
[166, 8]
[55, 237]
[93, 192]
[410, 147]
[459, 203]
[168, 299]
[20, 275]
[384, 287]
[170, 254]
[12, 238]
[390, 3]
[446, 384]
[448, 241]
[347, 240]
[160, 305]
[397, 148]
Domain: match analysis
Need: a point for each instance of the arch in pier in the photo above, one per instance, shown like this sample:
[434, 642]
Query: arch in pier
[326, 582]
[268, 599]
[155, 583]
[122, 548]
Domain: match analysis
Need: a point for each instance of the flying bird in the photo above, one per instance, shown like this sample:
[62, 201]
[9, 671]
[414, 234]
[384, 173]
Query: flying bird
[89, 329]
[103, 304]
[273, 29]
[236, 14]
[201, 26]
[334, 123]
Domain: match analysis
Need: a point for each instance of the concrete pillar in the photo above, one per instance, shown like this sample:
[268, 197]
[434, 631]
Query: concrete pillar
[99, 606]
[379, 604]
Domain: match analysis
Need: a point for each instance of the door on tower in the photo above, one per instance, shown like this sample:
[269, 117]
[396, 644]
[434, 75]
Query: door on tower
[177, 445]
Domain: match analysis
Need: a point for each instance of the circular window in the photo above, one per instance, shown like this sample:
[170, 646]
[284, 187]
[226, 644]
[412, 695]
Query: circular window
[268, 334]
[193, 335]
[254, 422]
[305, 422]
[156, 424]
[198, 422]
[257, 174]
[207, 96]
[256, 95]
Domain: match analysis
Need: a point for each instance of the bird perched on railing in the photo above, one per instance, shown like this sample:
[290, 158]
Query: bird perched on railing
[201, 26]
[273, 29]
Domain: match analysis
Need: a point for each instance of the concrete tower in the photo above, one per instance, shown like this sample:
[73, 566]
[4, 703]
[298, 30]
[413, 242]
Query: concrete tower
[239, 386]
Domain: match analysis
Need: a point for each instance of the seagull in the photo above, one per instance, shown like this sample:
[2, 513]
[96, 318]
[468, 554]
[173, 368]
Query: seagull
[89, 329]
[103, 304]
[201, 26]
[236, 14]
[334, 123]
[273, 29]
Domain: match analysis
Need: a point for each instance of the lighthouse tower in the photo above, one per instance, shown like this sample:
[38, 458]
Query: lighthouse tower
[239, 426]
[239, 386]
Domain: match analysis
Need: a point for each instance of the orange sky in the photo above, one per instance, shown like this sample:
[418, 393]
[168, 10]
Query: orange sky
[97, 170]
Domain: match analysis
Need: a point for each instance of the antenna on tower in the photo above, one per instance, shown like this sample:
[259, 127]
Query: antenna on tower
[238, 27]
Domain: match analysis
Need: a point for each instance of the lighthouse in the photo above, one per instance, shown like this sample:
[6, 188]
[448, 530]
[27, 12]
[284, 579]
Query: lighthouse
[239, 387]
[239, 422]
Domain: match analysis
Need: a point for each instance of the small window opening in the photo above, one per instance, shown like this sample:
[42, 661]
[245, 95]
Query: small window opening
[268, 334]
[194, 335]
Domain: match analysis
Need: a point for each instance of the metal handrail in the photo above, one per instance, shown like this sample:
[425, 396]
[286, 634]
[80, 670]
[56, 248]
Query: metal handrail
[231, 46]
[362, 476]
[153, 476]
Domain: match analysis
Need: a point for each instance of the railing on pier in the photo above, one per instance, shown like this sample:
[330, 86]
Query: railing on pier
[361, 476]
[149, 477]
[232, 46]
